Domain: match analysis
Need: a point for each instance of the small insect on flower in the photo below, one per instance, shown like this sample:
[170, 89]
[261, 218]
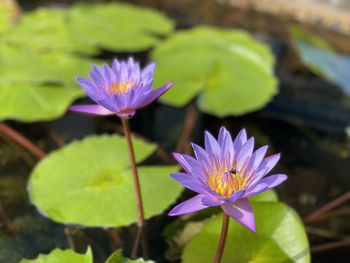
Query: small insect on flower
[120, 89]
[225, 174]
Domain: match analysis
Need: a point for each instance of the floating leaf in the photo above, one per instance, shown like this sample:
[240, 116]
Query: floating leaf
[319, 56]
[230, 72]
[58, 255]
[21, 66]
[30, 102]
[280, 237]
[118, 27]
[117, 257]
[9, 11]
[89, 183]
[36, 87]
[45, 29]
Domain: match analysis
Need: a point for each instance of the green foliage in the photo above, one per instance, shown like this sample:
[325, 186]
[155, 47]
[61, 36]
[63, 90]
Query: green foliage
[89, 183]
[58, 256]
[301, 35]
[117, 257]
[8, 11]
[280, 237]
[319, 56]
[45, 29]
[39, 55]
[37, 86]
[230, 72]
[118, 27]
[30, 102]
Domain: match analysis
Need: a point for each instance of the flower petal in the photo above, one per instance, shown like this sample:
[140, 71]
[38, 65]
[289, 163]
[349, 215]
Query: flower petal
[189, 164]
[91, 109]
[189, 206]
[240, 140]
[211, 200]
[153, 95]
[264, 168]
[266, 184]
[242, 212]
[201, 155]
[245, 153]
[256, 158]
[211, 145]
[226, 144]
[189, 182]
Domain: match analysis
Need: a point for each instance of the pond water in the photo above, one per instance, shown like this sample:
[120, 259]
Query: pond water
[306, 122]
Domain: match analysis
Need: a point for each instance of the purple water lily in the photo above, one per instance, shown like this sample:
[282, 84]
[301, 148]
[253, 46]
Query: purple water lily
[120, 89]
[225, 174]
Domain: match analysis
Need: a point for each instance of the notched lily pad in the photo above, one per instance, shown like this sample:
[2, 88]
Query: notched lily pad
[118, 27]
[89, 183]
[280, 237]
[117, 257]
[43, 30]
[59, 255]
[229, 71]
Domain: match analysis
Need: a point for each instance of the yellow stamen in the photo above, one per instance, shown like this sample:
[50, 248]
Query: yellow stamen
[226, 181]
[121, 88]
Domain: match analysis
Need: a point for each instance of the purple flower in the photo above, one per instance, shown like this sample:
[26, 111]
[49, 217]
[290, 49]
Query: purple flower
[225, 174]
[120, 89]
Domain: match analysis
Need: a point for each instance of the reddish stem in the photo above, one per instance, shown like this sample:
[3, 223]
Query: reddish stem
[21, 140]
[330, 246]
[191, 118]
[140, 213]
[222, 241]
[319, 212]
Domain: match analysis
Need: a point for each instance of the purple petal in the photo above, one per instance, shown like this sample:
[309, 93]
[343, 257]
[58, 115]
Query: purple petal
[226, 144]
[240, 140]
[91, 109]
[245, 153]
[242, 212]
[147, 72]
[270, 162]
[189, 182]
[153, 95]
[211, 200]
[236, 195]
[189, 206]
[256, 159]
[211, 145]
[266, 184]
[189, 164]
[200, 153]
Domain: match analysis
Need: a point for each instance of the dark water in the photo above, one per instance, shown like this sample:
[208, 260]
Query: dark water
[305, 122]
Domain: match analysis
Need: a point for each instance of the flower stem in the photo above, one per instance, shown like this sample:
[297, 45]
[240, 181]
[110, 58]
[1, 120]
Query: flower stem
[222, 241]
[140, 214]
[21, 140]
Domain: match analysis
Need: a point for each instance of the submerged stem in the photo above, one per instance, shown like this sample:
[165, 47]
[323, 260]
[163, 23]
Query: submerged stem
[140, 214]
[222, 241]
[21, 140]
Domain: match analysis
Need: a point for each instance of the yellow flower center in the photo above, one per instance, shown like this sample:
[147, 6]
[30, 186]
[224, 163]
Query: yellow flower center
[226, 181]
[120, 88]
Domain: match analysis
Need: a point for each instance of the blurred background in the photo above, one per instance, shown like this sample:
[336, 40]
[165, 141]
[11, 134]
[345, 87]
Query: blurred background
[281, 69]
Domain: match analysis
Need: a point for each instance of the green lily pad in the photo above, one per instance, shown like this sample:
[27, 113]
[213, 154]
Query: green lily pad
[58, 255]
[9, 11]
[20, 66]
[118, 27]
[29, 102]
[117, 257]
[229, 71]
[280, 237]
[45, 29]
[37, 87]
[89, 183]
